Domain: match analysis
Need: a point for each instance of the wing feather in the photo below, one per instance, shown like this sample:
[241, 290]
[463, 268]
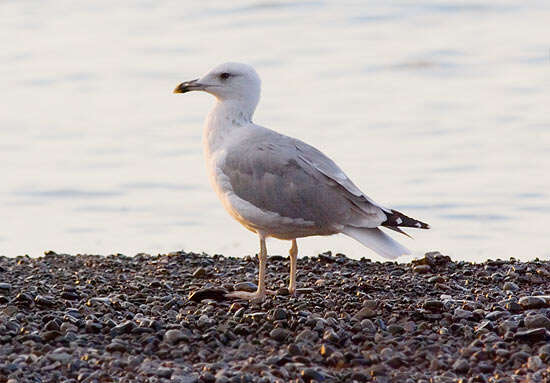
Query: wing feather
[286, 176]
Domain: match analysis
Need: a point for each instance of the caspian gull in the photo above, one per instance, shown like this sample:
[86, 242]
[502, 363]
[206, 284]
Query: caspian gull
[278, 186]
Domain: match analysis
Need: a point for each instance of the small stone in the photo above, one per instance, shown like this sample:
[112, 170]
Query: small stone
[462, 314]
[326, 350]
[365, 313]
[513, 307]
[44, 300]
[70, 295]
[510, 286]
[48, 336]
[10, 310]
[534, 363]
[294, 349]
[461, 366]
[494, 315]
[205, 321]
[485, 367]
[51, 325]
[173, 336]
[309, 374]
[544, 353]
[422, 269]
[245, 286]
[60, 356]
[207, 377]
[116, 347]
[200, 272]
[239, 313]
[93, 327]
[396, 362]
[164, 372]
[235, 307]
[433, 305]
[279, 334]
[209, 293]
[537, 321]
[396, 329]
[67, 326]
[533, 302]
[331, 336]
[279, 314]
[520, 356]
[283, 291]
[24, 298]
[5, 287]
[307, 336]
[368, 326]
[534, 335]
[336, 359]
[436, 279]
[123, 328]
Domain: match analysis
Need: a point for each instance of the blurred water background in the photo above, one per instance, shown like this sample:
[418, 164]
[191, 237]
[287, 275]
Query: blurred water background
[436, 108]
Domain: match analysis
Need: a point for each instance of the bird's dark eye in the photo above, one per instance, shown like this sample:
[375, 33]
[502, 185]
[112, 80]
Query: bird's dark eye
[225, 75]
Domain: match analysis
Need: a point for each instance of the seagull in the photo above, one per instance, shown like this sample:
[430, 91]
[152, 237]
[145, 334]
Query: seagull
[278, 186]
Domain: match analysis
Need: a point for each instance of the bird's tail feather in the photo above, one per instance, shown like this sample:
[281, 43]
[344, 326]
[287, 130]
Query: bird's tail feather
[376, 240]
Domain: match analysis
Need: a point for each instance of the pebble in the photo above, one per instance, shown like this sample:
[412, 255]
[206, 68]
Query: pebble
[67, 326]
[307, 335]
[365, 313]
[43, 300]
[534, 363]
[537, 321]
[461, 366]
[164, 372]
[122, 328]
[166, 318]
[462, 314]
[433, 305]
[331, 336]
[422, 269]
[117, 347]
[245, 286]
[309, 374]
[544, 352]
[200, 272]
[173, 336]
[510, 286]
[533, 302]
[279, 334]
[279, 314]
[534, 335]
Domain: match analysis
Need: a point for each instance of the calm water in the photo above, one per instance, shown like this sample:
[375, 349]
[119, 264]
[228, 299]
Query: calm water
[437, 108]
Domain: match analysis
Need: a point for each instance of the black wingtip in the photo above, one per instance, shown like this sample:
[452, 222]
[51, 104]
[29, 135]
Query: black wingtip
[398, 219]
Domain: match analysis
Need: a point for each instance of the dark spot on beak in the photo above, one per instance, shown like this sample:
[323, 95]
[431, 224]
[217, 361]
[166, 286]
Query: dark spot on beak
[188, 86]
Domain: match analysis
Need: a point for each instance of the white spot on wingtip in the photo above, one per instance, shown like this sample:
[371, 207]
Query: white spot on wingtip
[418, 224]
[399, 221]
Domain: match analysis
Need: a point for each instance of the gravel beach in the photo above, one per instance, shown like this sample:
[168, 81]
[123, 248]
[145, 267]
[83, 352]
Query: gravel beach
[89, 318]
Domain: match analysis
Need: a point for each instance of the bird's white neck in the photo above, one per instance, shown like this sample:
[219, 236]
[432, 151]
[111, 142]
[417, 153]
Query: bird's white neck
[237, 111]
[225, 118]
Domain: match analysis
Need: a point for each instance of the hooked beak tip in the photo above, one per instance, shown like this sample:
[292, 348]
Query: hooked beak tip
[187, 86]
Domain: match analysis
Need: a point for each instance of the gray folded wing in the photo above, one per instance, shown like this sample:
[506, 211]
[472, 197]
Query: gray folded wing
[289, 177]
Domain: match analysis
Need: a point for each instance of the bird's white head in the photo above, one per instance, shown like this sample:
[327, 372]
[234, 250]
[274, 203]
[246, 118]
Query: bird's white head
[235, 84]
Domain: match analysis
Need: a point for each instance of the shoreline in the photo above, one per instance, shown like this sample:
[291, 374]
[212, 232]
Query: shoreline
[90, 318]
